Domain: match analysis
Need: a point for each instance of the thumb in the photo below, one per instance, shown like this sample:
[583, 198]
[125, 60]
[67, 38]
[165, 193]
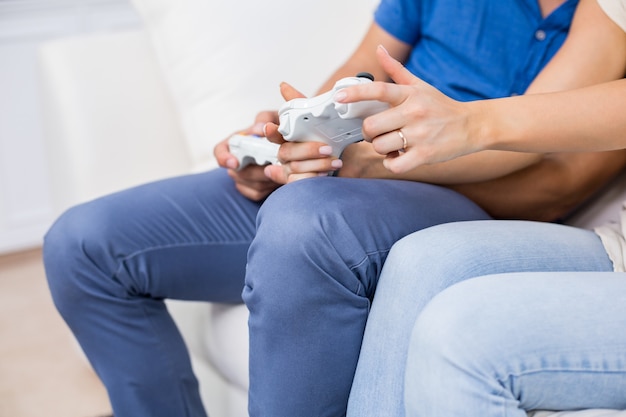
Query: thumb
[289, 92]
[394, 68]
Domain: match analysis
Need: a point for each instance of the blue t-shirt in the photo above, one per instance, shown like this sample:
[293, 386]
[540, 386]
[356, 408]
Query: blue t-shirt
[476, 49]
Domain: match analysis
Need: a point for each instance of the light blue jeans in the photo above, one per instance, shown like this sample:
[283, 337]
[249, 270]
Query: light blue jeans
[424, 264]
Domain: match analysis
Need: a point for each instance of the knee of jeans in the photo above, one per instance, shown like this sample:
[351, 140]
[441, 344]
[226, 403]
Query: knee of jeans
[436, 257]
[297, 219]
[71, 246]
[300, 236]
[454, 331]
[293, 203]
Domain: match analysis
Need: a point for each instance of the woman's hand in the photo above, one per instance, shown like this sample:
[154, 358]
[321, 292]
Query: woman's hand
[298, 160]
[422, 126]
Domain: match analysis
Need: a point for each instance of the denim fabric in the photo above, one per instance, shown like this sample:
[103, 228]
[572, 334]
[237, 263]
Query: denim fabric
[313, 267]
[422, 265]
[500, 345]
[111, 262]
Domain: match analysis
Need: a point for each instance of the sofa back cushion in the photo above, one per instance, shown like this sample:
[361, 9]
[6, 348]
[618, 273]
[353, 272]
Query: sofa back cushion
[223, 60]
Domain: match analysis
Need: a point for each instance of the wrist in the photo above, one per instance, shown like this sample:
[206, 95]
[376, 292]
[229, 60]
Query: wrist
[482, 129]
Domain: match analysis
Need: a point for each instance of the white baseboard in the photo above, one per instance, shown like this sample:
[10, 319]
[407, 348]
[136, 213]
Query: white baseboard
[23, 237]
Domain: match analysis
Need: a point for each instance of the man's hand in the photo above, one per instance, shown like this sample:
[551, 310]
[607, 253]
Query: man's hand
[250, 181]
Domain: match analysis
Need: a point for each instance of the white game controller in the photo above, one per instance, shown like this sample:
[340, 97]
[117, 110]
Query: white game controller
[249, 149]
[320, 119]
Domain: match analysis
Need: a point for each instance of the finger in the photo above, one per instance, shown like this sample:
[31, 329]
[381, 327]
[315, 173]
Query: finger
[270, 131]
[251, 174]
[277, 173]
[315, 166]
[386, 92]
[388, 143]
[390, 93]
[394, 68]
[252, 182]
[289, 92]
[402, 162]
[302, 151]
[384, 122]
[297, 177]
[268, 116]
[224, 158]
[256, 129]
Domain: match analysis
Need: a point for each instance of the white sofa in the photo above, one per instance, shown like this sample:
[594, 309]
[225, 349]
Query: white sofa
[126, 108]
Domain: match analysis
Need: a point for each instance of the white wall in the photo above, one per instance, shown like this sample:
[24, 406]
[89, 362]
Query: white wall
[25, 201]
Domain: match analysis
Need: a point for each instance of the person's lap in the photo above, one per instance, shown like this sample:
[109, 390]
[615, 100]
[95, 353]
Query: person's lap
[502, 345]
[112, 262]
[425, 263]
[312, 270]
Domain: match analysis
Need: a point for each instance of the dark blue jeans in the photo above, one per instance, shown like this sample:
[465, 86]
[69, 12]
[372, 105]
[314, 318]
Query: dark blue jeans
[312, 271]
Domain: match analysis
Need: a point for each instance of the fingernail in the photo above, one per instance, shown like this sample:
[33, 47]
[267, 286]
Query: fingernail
[231, 163]
[326, 150]
[383, 49]
[337, 163]
[340, 95]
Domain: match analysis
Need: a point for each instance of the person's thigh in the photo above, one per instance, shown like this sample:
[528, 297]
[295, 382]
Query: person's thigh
[423, 264]
[312, 270]
[505, 344]
[111, 262]
[184, 237]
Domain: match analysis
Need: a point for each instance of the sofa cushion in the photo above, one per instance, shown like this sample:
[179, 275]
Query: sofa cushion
[224, 59]
[100, 96]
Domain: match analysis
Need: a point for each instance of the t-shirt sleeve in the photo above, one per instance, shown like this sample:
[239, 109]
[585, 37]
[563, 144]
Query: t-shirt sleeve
[616, 10]
[400, 18]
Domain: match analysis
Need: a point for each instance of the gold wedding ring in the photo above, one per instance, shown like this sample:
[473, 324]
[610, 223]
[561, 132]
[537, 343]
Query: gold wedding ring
[404, 142]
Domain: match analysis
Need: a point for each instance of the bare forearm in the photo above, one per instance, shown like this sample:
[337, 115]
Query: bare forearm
[549, 190]
[477, 167]
[586, 119]
[589, 119]
[361, 161]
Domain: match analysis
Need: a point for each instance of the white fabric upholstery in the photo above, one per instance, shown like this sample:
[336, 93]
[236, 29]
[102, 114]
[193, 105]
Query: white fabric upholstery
[224, 59]
[603, 208]
[102, 95]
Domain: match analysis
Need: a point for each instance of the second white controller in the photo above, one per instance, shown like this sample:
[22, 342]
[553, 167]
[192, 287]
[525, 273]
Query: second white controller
[253, 150]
